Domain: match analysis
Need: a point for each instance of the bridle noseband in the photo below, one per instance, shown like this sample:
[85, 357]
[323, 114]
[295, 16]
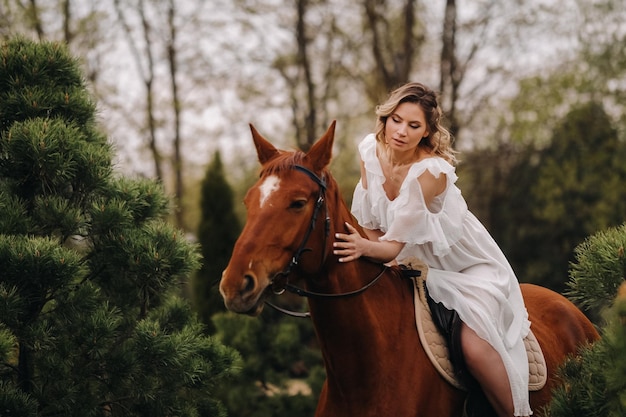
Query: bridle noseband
[282, 283]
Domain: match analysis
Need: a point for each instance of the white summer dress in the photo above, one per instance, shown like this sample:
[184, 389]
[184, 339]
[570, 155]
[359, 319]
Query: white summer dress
[467, 270]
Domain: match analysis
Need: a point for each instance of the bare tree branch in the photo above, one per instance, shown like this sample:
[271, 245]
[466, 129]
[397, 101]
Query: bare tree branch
[147, 75]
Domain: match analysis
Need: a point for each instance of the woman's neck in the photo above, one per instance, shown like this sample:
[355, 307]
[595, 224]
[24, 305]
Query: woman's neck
[397, 159]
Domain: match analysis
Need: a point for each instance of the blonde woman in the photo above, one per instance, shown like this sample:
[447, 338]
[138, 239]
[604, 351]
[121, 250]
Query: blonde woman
[409, 205]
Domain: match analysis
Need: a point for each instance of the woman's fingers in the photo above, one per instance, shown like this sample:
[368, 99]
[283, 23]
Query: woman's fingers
[341, 236]
[346, 245]
[351, 231]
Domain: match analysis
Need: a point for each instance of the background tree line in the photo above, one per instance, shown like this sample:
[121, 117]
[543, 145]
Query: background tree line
[534, 93]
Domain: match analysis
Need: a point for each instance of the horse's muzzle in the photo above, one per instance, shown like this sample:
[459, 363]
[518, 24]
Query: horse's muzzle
[241, 296]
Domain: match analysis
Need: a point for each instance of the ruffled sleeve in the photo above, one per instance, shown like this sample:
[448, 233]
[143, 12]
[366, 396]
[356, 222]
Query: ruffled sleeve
[412, 222]
[366, 205]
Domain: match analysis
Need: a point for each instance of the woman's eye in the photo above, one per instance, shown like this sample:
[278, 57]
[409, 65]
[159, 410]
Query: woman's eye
[297, 204]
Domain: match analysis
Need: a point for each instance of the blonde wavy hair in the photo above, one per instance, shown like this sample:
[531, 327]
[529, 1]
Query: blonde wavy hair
[439, 140]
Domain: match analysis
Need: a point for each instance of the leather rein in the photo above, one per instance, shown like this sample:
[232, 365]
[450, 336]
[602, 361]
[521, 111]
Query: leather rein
[281, 285]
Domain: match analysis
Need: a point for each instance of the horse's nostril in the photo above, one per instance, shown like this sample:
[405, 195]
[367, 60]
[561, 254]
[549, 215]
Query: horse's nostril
[248, 284]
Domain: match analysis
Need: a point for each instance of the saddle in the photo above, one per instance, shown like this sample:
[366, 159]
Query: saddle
[439, 332]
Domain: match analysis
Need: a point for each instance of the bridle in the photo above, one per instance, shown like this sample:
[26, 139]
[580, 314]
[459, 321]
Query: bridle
[295, 259]
[282, 283]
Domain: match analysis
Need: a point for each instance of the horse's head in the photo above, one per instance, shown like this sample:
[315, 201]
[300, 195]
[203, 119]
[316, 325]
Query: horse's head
[281, 225]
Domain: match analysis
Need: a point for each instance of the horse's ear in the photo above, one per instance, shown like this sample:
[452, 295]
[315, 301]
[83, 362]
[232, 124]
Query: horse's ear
[321, 151]
[265, 150]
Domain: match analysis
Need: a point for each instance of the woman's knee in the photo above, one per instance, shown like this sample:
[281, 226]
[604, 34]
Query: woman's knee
[476, 350]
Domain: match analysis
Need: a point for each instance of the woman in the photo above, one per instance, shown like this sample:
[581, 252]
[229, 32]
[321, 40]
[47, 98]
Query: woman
[409, 205]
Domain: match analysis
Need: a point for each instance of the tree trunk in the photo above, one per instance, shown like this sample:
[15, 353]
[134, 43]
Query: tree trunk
[449, 71]
[67, 19]
[178, 159]
[37, 20]
[393, 66]
[310, 114]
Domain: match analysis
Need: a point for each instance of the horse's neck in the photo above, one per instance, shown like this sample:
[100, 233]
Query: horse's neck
[355, 331]
[360, 313]
[368, 339]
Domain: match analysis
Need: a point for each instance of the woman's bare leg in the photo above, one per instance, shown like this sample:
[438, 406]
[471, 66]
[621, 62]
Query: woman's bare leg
[486, 365]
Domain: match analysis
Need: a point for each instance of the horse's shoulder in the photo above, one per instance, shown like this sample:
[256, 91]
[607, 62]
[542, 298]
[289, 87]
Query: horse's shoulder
[544, 298]
[541, 300]
[536, 289]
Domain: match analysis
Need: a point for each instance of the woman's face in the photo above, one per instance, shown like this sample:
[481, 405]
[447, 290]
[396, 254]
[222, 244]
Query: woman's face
[405, 127]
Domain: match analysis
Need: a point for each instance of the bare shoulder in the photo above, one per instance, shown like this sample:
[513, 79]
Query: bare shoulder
[432, 185]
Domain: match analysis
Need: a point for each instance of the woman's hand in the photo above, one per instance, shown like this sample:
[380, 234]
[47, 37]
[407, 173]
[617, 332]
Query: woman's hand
[350, 246]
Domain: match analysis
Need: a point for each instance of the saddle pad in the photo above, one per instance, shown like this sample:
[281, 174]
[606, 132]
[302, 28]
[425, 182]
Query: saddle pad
[437, 349]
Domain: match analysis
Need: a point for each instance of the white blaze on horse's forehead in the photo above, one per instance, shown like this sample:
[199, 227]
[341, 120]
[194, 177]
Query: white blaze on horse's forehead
[268, 187]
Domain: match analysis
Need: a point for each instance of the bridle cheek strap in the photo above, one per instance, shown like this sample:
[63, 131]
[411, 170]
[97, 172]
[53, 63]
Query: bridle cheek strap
[280, 280]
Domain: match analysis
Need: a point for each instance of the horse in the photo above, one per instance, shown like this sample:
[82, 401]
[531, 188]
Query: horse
[362, 312]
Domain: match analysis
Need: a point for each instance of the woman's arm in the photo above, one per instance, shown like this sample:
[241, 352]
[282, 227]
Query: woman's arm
[373, 234]
[352, 246]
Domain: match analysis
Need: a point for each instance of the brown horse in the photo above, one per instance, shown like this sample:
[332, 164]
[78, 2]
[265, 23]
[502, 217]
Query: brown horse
[374, 361]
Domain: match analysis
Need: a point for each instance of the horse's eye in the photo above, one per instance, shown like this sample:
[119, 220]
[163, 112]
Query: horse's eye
[297, 204]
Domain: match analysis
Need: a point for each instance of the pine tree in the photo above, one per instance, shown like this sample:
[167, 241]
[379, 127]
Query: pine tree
[599, 270]
[217, 233]
[90, 320]
[594, 383]
[279, 354]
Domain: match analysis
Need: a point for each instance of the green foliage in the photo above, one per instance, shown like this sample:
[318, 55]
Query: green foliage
[533, 125]
[599, 270]
[556, 174]
[577, 171]
[542, 202]
[279, 353]
[577, 191]
[90, 320]
[42, 81]
[594, 383]
[7, 344]
[217, 233]
[15, 403]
